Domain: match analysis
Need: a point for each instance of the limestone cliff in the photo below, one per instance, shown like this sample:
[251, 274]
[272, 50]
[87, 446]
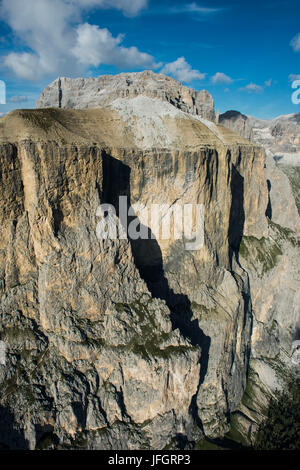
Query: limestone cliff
[121, 343]
[134, 343]
[273, 268]
[281, 139]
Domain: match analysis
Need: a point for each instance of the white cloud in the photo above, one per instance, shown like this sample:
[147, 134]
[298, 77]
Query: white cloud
[25, 65]
[220, 77]
[268, 83]
[295, 43]
[182, 71]
[96, 46]
[293, 77]
[195, 8]
[52, 30]
[252, 88]
[128, 7]
[18, 99]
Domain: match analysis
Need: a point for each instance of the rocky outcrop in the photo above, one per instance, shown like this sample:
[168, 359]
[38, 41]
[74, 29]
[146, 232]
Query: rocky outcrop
[123, 343]
[237, 122]
[82, 93]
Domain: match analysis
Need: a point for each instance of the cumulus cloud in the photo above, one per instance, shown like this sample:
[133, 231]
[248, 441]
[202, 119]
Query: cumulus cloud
[56, 37]
[252, 88]
[295, 43]
[96, 46]
[182, 71]
[221, 78]
[28, 66]
[268, 83]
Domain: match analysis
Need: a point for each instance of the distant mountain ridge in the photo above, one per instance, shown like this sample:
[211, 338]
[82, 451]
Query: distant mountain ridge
[281, 135]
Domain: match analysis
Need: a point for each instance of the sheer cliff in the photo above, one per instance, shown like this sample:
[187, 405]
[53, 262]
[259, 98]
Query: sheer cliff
[272, 265]
[133, 343]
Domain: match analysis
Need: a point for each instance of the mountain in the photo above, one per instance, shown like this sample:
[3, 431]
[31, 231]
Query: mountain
[238, 122]
[281, 135]
[82, 93]
[134, 343]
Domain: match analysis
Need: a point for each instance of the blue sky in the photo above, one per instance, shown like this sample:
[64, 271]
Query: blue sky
[245, 53]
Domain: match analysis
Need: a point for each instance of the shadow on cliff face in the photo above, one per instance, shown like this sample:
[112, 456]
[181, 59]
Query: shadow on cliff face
[148, 260]
[296, 335]
[235, 235]
[237, 214]
[269, 206]
[11, 438]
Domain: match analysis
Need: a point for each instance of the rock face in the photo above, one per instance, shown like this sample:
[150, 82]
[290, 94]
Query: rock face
[81, 93]
[122, 343]
[283, 183]
[274, 278]
[131, 343]
[237, 122]
[272, 266]
[281, 139]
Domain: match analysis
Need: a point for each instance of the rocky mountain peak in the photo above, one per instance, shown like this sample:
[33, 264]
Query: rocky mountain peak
[81, 93]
